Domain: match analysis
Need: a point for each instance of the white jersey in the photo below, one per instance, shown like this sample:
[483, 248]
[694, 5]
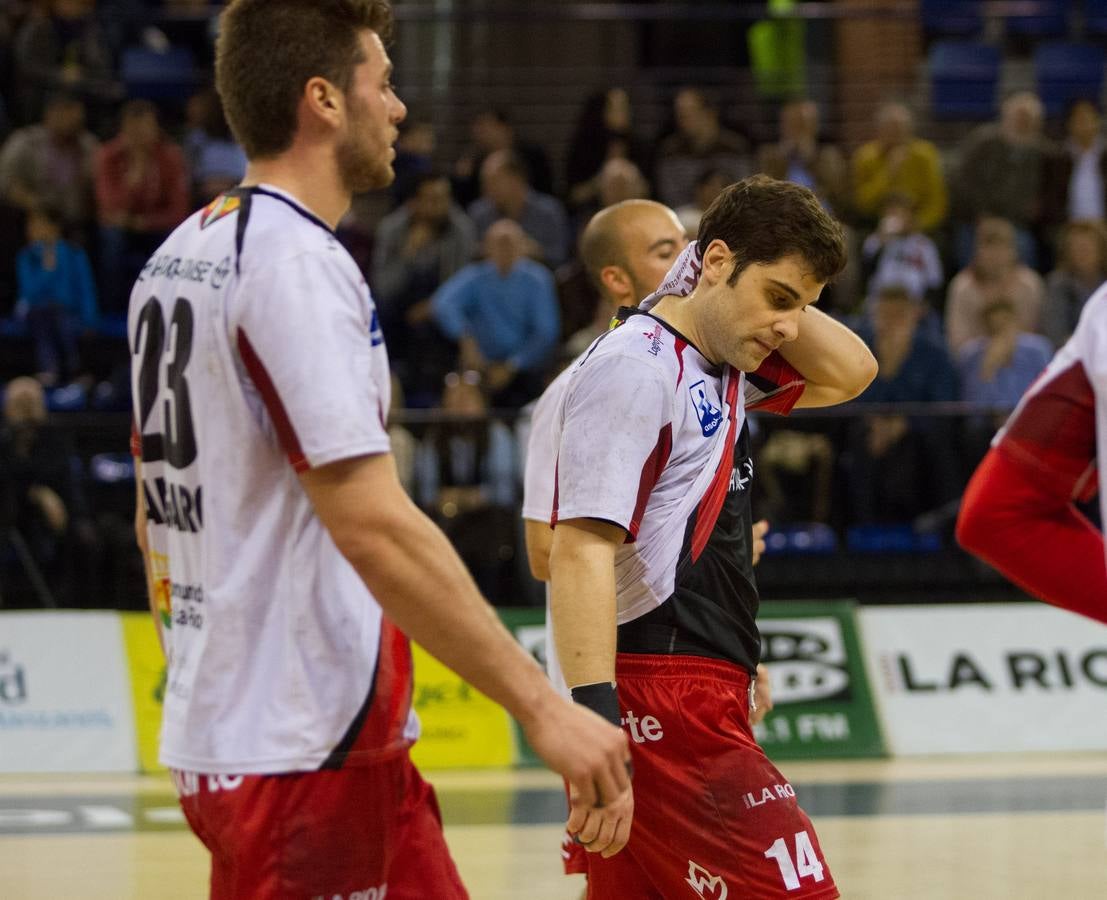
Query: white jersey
[257, 355]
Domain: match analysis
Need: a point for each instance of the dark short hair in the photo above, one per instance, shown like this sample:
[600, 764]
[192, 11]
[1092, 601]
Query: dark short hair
[763, 220]
[268, 50]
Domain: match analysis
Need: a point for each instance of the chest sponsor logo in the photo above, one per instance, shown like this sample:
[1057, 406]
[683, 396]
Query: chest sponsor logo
[708, 413]
[373, 893]
[654, 338]
[741, 475]
[706, 885]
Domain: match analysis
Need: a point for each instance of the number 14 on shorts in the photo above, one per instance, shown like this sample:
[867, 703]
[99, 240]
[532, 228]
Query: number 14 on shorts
[806, 861]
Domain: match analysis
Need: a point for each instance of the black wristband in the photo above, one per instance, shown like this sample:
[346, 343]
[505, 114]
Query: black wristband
[601, 699]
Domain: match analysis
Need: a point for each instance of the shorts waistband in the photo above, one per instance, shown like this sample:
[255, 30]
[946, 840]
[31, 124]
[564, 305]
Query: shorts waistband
[648, 665]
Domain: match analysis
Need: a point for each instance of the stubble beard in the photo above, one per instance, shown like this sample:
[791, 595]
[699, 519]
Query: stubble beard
[362, 166]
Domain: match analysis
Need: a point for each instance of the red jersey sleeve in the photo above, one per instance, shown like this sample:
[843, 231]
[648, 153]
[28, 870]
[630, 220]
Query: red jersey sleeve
[775, 387]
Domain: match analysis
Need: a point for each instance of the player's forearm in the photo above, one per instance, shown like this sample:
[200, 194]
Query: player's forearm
[142, 538]
[582, 600]
[835, 362]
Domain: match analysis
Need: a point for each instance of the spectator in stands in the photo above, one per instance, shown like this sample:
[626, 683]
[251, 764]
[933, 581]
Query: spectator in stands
[61, 47]
[417, 248]
[52, 163]
[999, 366]
[996, 369]
[1082, 269]
[800, 157]
[899, 466]
[503, 314]
[506, 194]
[899, 253]
[492, 132]
[1002, 174]
[1086, 163]
[215, 162]
[466, 476]
[995, 272]
[414, 157]
[897, 162]
[141, 194]
[57, 295]
[700, 142]
[39, 493]
[708, 186]
[603, 132]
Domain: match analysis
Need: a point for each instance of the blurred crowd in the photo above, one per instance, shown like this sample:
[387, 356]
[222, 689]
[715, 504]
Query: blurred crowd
[970, 262]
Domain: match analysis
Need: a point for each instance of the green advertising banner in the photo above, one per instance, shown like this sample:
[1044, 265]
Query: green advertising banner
[822, 704]
[823, 707]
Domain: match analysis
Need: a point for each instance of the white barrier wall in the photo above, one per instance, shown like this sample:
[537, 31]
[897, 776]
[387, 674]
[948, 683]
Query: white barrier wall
[987, 678]
[65, 697]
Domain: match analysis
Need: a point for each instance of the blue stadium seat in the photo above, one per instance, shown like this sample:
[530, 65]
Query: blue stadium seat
[70, 398]
[1050, 19]
[1066, 72]
[112, 468]
[964, 77]
[960, 17]
[900, 538]
[157, 75]
[1095, 17]
[801, 539]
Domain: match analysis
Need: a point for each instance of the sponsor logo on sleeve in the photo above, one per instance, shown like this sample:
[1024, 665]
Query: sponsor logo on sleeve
[654, 338]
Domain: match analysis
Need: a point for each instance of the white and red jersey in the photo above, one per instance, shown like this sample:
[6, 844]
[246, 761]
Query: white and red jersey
[644, 432]
[257, 355]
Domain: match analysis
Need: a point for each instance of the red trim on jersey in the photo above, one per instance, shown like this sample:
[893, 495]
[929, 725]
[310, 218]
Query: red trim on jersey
[651, 471]
[286, 433]
[707, 514]
[1053, 434]
[1017, 522]
[383, 727]
[678, 346]
[780, 382]
[136, 441]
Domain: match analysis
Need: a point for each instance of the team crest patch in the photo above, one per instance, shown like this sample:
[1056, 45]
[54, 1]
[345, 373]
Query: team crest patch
[221, 206]
[708, 413]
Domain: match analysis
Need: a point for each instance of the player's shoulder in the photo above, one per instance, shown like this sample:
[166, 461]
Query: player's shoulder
[273, 227]
[642, 345]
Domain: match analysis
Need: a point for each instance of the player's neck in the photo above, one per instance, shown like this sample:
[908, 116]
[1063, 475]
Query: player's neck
[678, 312]
[309, 181]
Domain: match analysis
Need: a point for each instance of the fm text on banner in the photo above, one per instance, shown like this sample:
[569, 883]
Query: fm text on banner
[823, 706]
[987, 678]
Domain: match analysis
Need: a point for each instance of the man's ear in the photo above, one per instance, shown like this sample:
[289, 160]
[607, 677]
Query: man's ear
[618, 285]
[324, 102]
[717, 262]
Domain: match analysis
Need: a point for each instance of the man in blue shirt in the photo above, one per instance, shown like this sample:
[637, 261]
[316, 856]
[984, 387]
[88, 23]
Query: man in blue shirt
[503, 313]
[57, 295]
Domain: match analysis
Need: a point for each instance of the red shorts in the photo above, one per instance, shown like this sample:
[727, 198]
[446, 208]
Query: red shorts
[712, 816]
[358, 833]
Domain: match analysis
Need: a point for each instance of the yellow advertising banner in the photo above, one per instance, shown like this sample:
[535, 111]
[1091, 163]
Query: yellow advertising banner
[462, 728]
[147, 665]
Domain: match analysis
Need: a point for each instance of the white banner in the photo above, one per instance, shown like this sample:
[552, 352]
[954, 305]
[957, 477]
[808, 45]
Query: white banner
[65, 697]
[987, 678]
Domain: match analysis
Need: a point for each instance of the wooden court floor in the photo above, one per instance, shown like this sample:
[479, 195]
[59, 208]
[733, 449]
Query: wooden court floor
[1018, 828]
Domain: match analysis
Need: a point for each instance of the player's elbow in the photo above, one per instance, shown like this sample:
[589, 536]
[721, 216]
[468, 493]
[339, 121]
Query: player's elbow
[858, 372]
